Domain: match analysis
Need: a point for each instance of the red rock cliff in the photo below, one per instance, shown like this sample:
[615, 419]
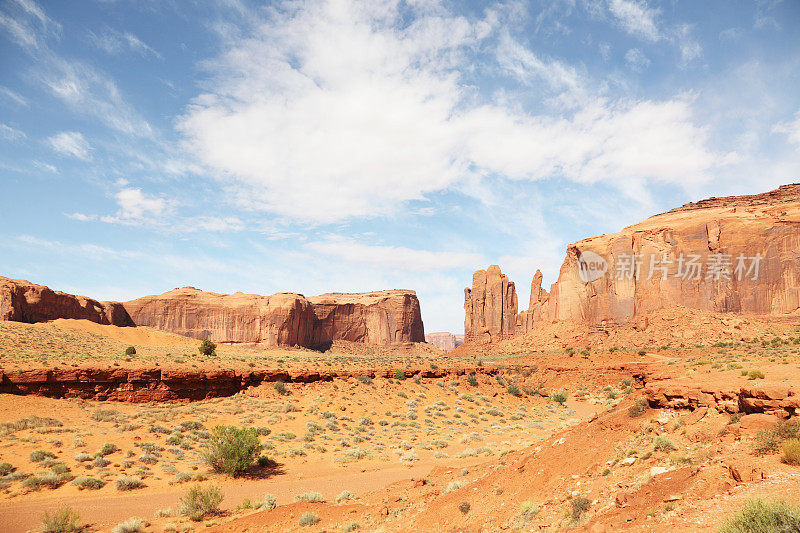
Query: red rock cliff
[738, 254]
[381, 318]
[23, 301]
[490, 306]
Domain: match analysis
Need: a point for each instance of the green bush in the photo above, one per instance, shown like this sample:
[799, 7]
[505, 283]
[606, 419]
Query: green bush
[91, 483]
[366, 380]
[662, 443]
[308, 519]
[130, 350]
[639, 408]
[309, 497]
[128, 483]
[108, 448]
[207, 348]
[199, 503]
[791, 452]
[64, 520]
[38, 456]
[6, 469]
[755, 374]
[760, 516]
[559, 397]
[232, 450]
[472, 380]
[514, 390]
[280, 388]
[769, 440]
[399, 374]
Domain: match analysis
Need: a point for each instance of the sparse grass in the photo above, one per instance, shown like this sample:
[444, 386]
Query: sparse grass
[65, 520]
[769, 440]
[344, 496]
[559, 397]
[198, 502]
[578, 506]
[366, 380]
[280, 388]
[639, 408]
[131, 525]
[309, 497]
[128, 483]
[755, 374]
[663, 444]
[37, 456]
[790, 452]
[764, 516]
[90, 483]
[308, 519]
[269, 502]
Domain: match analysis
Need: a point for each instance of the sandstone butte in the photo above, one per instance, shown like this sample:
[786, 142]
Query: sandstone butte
[289, 319]
[765, 224]
[444, 340]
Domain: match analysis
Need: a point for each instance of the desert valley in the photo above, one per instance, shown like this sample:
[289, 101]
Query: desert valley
[612, 404]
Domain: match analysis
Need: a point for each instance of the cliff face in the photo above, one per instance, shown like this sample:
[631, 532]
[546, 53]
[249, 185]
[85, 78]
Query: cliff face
[739, 254]
[445, 340]
[381, 318]
[23, 301]
[490, 306]
[280, 319]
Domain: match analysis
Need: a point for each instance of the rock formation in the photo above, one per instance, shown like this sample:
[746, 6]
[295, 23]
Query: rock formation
[537, 306]
[280, 319]
[490, 306]
[445, 340]
[382, 318]
[23, 301]
[735, 254]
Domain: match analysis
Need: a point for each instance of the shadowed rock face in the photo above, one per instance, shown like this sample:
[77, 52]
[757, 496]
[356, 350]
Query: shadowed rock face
[23, 301]
[490, 306]
[382, 318]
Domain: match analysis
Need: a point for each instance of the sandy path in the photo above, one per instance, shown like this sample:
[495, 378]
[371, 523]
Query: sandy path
[105, 511]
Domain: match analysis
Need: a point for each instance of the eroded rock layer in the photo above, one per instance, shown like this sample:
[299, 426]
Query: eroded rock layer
[23, 301]
[490, 306]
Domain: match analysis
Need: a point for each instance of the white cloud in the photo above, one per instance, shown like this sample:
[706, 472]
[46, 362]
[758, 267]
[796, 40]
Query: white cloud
[45, 166]
[13, 96]
[138, 208]
[114, 42]
[636, 59]
[791, 129]
[690, 49]
[636, 18]
[71, 143]
[328, 111]
[208, 223]
[392, 257]
[81, 217]
[27, 24]
[11, 134]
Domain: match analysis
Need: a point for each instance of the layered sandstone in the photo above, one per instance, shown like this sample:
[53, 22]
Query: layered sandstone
[287, 319]
[281, 319]
[747, 249]
[23, 301]
[445, 340]
[382, 317]
[490, 306]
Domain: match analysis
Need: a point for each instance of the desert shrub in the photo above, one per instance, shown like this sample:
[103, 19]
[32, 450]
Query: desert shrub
[463, 507]
[308, 519]
[108, 448]
[755, 374]
[280, 388]
[791, 452]
[128, 483]
[270, 502]
[309, 497]
[344, 496]
[199, 502]
[559, 397]
[514, 390]
[454, 485]
[639, 408]
[6, 469]
[399, 374]
[131, 525]
[662, 443]
[207, 348]
[105, 415]
[31, 422]
[83, 457]
[265, 462]
[352, 526]
[578, 506]
[642, 352]
[100, 461]
[366, 380]
[760, 516]
[38, 456]
[529, 509]
[65, 520]
[147, 458]
[769, 440]
[130, 350]
[91, 483]
[472, 380]
[232, 450]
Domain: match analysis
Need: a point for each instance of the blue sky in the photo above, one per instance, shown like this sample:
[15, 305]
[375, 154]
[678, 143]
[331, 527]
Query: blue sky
[351, 146]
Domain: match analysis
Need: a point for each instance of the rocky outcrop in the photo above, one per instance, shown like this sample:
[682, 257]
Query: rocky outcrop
[775, 399]
[382, 317]
[287, 319]
[23, 301]
[736, 254]
[445, 340]
[281, 319]
[490, 306]
[536, 307]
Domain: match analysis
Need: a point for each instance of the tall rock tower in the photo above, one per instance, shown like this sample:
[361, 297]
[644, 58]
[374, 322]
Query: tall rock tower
[490, 306]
